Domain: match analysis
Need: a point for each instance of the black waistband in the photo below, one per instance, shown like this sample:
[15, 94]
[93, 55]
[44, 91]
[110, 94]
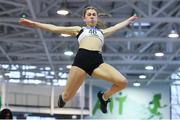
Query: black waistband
[95, 51]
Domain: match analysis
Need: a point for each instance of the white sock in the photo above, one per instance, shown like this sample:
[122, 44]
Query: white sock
[103, 98]
[62, 96]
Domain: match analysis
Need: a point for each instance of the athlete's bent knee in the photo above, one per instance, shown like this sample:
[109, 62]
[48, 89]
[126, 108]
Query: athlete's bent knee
[125, 83]
[122, 83]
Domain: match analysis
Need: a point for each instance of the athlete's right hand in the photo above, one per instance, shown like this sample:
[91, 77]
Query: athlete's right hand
[27, 23]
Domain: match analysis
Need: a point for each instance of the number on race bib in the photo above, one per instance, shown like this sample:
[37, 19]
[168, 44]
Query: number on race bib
[93, 32]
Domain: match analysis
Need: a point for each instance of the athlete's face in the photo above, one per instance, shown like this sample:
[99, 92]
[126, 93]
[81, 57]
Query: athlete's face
[90, 17]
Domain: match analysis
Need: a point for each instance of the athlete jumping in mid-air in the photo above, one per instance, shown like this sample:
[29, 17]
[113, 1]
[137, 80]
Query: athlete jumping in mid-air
[88, 59]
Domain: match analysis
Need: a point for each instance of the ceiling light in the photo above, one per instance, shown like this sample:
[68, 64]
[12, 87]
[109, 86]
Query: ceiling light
[32, 67]
[159, 54]
[48, 83]
[68, 53]
[32, 81]
[68, 66]
[64, 75]
[41, 68]
[55, 80]
[60, 73]
[63, 12]
[61, 68]
[142, 76]
[47, 68]
[74, 117]
[65, 35]
[13, 67]
[14, 81]
[173, 34]
[136, 84]
[149, 67]
[143, 24]
[13, 74]
[1, 76]
[60, 82]
[49, 77]
[5, 66]
[52, 73]
[40, 75]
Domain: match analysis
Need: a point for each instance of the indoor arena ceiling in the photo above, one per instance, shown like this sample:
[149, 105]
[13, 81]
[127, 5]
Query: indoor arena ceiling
[129, 50]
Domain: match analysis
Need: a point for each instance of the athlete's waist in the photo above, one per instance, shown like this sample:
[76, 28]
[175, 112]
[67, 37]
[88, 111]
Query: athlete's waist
[89, 50]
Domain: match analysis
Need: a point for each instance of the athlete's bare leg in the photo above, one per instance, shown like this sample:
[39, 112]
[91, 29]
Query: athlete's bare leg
[109, 73]
[75, 80]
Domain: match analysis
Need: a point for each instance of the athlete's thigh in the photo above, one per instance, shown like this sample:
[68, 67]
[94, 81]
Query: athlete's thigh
[75, 79]
[109, 73]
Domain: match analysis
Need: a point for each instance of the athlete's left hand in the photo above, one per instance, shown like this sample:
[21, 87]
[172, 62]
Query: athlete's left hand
[132, 18]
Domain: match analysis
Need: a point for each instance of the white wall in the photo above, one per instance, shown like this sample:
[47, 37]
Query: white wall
[35, 95]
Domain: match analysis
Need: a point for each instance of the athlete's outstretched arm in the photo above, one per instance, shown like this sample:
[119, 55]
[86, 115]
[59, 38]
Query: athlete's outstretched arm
[118, 26]
[49, 27]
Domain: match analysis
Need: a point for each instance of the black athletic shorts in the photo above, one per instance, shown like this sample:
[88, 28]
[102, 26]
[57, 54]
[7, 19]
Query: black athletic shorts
[87, 60]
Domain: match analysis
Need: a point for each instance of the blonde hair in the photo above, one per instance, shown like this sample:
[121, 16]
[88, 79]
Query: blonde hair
[100, 23]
